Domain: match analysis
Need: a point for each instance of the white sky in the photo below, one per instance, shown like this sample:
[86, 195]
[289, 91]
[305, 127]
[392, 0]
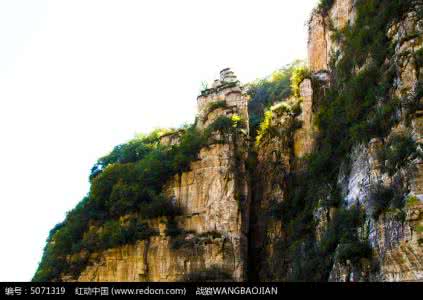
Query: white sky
[80, 76]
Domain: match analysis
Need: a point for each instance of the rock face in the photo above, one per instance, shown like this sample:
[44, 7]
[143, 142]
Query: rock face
[225, 98]
[396, 240]
[395, 236]
[399, 246]
[320, 43]
[214, 198]
[156, 260]
[227, 220]
[303, 138]
[397, 249]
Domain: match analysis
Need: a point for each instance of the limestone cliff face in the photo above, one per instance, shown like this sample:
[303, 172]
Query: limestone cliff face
[397, 250]
[399, 245]
[228, 220]
[214, 199]
[156, 260]
[396, 241]
[281, 154]
[320, 42]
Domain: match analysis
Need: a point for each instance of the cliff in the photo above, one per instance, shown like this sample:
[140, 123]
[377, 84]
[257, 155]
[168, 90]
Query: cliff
[209, 236]
[301, 210]
[332, 180]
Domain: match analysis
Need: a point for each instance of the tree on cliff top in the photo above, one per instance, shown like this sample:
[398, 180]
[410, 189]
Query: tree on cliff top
[266, 92]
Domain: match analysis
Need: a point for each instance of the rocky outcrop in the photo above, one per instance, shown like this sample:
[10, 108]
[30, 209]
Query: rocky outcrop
[303, 137]
[156, 259]
[399, 245]
[225, 98]
[229, 211]
[393, 236]
[280, 154]
[396, 235]
[214, 198]
[321, 25]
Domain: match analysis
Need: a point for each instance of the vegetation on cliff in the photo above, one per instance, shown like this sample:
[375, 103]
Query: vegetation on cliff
[290, 109]
[264, 93]
[357, 107]
[325, 5]
[127, 181]
[126, 192]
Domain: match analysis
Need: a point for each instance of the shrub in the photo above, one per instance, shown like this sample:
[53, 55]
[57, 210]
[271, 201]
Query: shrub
[305, 262]
[298, 75]
[210, 234]
[79, 262]
[392, 197]
[333, 198]
[354, 251]
[283, 131]
[397, 152]
[268, 91]
[138, 231]
[132, 151]
[380, 198]
[275, 209]
[325, 5]
[190, 243]
[159, 208]
[383, 119]
[287, 107]
[236, 121]
[265, 127]
[411, 103]
[412, 201]
[419, 58]
[115, 233]
[225, 124]
[342, 229]
[215, 105]
[181, 243]
[172, 229]
[128, 180]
